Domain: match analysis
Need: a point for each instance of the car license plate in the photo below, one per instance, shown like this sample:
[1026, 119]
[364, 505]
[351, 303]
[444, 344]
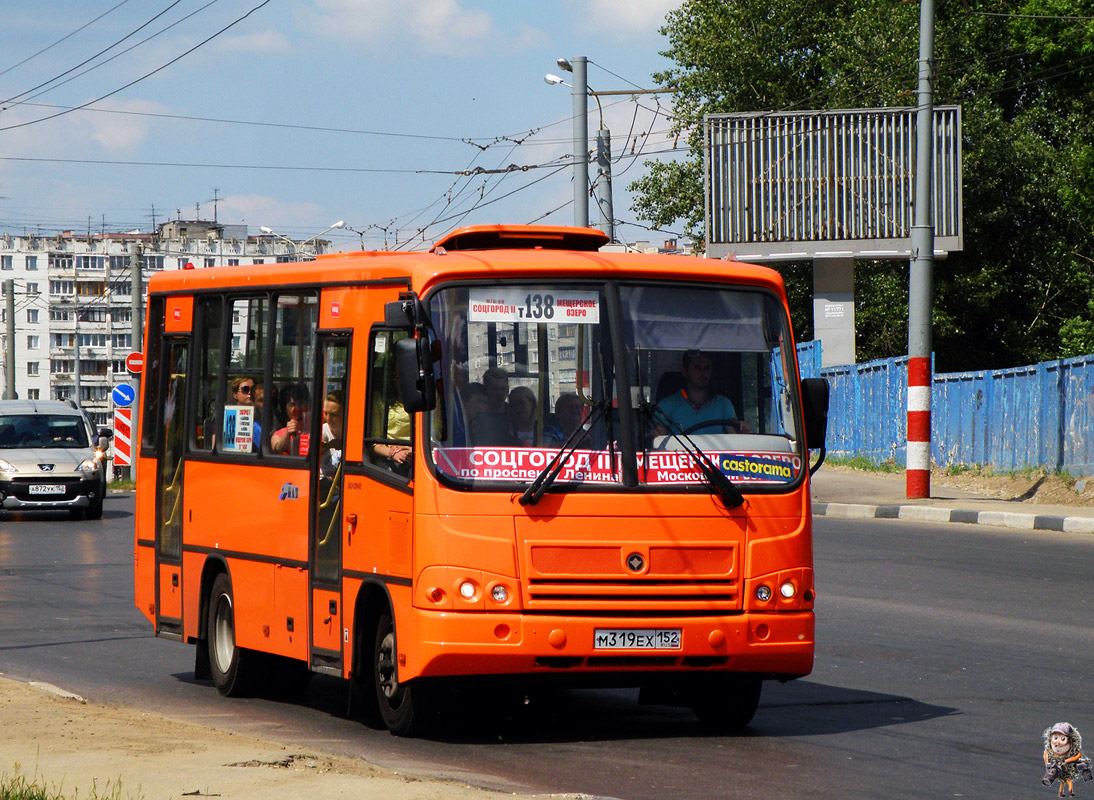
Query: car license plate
[636, 639]
[46, 488]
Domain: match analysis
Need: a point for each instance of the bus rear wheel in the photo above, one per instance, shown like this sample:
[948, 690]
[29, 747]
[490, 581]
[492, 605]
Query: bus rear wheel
[229, 665]
[403, 706]
[727, 704]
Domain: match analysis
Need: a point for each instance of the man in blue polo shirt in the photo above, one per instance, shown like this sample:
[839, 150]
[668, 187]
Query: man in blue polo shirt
[695, 403]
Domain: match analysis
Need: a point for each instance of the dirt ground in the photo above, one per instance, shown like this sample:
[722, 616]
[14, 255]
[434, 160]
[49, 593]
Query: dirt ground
[89, 750]
[1034, 487]
[1026, 487]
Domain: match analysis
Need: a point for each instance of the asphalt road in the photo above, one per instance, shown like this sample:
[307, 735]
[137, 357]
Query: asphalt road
[943, 652]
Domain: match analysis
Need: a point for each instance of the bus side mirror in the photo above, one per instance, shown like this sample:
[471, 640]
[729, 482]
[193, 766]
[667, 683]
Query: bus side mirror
[414, 367]
[815, 411]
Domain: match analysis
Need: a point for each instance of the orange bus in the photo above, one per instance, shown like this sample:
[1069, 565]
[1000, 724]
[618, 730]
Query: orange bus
[511, 456]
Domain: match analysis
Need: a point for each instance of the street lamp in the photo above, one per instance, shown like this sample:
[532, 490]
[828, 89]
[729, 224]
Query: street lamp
[581, 93]
[298, 247]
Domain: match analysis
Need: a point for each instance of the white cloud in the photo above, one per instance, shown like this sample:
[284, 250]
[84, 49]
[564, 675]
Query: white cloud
[118, 133]
[258, 209]
[626, 17]
[435, 26]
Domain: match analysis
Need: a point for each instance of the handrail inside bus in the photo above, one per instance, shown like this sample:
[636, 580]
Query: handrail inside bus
[330, 498]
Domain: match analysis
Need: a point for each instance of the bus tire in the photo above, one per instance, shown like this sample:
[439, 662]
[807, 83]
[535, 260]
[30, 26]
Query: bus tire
[95, 508]
[727, 704]
[230, 665]
[403, 706]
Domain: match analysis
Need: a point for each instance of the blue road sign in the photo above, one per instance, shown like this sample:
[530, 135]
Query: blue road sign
[123, 395]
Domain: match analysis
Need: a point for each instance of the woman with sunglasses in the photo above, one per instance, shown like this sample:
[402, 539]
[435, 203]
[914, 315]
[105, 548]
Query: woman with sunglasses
[244, 390]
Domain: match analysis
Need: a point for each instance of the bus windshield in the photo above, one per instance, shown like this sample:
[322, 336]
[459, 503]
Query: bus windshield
[628, 379]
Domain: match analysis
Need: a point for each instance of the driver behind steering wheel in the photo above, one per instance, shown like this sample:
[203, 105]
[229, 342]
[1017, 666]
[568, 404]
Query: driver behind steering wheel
[696, 403]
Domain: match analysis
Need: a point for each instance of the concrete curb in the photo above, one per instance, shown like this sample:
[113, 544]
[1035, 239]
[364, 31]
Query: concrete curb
[1003, 519]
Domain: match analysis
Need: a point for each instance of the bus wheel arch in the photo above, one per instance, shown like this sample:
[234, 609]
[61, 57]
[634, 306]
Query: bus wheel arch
[403, 708]
[232, 667]
[372, 601]
[210, 570]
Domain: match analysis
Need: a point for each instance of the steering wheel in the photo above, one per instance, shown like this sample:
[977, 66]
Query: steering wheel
[735, 424]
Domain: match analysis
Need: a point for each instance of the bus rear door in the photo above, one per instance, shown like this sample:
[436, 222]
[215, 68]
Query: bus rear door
[169, 481]
[325, 553]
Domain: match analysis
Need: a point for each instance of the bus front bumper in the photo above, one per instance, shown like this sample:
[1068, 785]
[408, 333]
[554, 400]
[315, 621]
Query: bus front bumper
[466, 644]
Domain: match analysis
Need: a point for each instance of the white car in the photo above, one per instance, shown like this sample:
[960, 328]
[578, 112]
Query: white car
[51, 458]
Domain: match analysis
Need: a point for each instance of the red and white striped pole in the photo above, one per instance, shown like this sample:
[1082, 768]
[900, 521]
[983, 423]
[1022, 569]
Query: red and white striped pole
[920, 272]
[918, 468]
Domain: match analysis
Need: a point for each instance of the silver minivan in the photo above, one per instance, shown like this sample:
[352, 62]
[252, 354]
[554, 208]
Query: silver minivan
[51, 457]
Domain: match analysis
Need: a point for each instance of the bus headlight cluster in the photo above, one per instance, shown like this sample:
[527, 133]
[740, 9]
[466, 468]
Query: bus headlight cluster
[462, 589]
[786, 590]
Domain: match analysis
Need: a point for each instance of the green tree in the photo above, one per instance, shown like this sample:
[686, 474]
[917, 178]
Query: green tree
[1022, 72]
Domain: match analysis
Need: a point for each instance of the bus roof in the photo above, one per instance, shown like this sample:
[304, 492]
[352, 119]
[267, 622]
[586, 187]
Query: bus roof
[493, 251]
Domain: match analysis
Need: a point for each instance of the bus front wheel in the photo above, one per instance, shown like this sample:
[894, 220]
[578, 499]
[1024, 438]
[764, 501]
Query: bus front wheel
[403, 706]
[229, 664]
[728, 703]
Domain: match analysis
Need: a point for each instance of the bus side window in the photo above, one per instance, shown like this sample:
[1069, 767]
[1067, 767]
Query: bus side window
[388, 437]
[150, 418]
[290, 401]
[210, 327]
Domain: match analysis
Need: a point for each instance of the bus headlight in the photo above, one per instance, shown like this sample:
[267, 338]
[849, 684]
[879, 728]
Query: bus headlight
[499, 593]
[763, 593]
[467, 590]
[787, 590]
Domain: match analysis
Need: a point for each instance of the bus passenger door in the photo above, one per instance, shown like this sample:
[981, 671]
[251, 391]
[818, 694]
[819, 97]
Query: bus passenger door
[325, 553]
[169, 506]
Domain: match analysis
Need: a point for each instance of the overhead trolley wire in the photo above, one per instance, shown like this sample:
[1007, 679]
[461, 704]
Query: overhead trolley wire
[146, 75]
[63, 38]
[92, 58]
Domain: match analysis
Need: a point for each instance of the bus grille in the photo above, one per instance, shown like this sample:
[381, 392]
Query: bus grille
[692, 596]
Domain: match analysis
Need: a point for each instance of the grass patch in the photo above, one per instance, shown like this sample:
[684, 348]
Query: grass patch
[865, 463]
[127, 485]
[17, 786]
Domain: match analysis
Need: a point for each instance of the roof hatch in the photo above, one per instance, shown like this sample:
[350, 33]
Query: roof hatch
[522, 237]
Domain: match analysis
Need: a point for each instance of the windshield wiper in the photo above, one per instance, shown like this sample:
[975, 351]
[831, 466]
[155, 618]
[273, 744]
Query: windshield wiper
[549, 473]
[730, 494]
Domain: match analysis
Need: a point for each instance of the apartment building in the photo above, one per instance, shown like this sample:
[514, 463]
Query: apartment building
[73, 299]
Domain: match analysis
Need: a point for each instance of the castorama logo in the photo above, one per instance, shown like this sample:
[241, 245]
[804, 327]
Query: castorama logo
[289, 491]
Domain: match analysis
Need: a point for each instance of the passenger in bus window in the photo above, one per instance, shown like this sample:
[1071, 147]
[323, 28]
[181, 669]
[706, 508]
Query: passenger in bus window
[243, 390]
[330, 454]
[398, 427]
[291, 438]
[523, 408]
[474, 400]
[569, 414]
[491, 427]
[695, 403]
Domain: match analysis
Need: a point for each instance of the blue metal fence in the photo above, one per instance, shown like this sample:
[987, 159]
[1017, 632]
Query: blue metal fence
[1036, 416]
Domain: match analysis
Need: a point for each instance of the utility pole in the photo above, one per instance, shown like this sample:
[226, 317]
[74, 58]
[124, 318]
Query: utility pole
[136, 294]
[604, 180]
[581, 141]
[9, 350]
[920, 275]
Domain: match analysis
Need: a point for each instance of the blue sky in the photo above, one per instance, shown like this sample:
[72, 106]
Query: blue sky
[404, 82]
